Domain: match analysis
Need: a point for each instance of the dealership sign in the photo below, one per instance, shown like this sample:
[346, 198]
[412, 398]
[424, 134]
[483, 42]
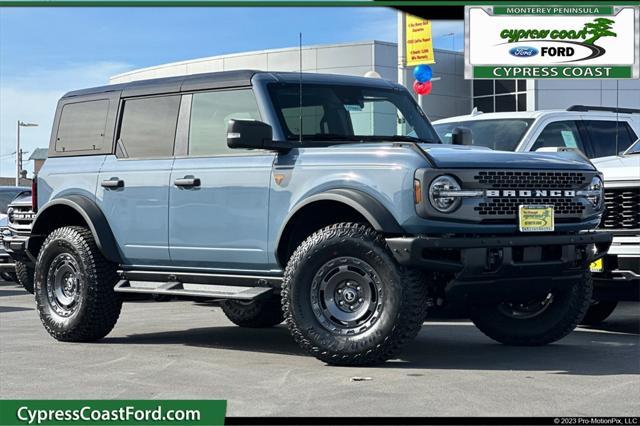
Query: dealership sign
[507, 42]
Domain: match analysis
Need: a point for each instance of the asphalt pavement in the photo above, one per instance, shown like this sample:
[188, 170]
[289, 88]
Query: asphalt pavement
[187, 350]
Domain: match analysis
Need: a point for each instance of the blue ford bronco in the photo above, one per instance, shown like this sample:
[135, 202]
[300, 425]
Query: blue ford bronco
[325, 201]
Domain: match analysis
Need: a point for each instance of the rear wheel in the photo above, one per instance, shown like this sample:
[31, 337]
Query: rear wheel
[74, 287]
[598, 312]
[346, 300]
[24, 274]
[535, 322]
[263, 312]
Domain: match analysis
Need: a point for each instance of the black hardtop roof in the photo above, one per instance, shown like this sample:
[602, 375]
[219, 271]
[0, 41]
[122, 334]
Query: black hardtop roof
[221, 80]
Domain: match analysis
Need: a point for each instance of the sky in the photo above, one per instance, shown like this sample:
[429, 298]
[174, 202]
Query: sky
[45, 52]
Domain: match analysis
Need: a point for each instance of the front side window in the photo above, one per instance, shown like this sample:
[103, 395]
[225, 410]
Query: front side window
[148, 127]
[82, 126]
[501, 135]
[608, 137]
[341, 112]
[210, 114]
[563, 134]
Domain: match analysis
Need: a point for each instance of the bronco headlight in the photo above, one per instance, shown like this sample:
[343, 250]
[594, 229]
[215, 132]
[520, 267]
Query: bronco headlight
[10, 213]
[438, 196]
[596, 191]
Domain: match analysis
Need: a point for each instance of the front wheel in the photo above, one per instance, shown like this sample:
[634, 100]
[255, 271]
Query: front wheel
[74, 287]
[24, 274]
[539, 321]
[345, 299]
[598, 312]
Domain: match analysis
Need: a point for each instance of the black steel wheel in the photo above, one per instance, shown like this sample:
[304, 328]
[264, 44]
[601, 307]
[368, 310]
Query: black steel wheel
[74, 287]
[347, 301]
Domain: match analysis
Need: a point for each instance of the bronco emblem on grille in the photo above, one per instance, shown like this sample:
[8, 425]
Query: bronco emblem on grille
[530, 193]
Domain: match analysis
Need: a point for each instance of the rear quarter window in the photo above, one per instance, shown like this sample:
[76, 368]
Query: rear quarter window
[82, 126]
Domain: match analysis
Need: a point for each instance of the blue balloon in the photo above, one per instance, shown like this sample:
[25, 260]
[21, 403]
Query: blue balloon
[422, 73]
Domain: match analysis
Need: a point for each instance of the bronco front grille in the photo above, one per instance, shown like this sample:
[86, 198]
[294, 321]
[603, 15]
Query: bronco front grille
[622, 208]
[509, 206]
[530, 179]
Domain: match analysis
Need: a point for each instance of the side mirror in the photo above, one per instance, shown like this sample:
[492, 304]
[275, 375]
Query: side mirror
[461, 136]
[250, 134]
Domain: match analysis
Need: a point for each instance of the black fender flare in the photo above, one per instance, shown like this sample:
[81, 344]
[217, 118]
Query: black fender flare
[369, 207]
[92, 215]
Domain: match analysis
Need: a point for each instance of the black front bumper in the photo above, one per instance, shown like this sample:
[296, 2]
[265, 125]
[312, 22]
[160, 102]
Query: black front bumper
[498, 267]
[17, 246]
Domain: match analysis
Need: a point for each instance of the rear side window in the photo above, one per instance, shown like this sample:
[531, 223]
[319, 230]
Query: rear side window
[82, 126]
[148, 127]
[602, 135]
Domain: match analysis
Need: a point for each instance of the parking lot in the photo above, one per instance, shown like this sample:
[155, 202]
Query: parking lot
[182, 349]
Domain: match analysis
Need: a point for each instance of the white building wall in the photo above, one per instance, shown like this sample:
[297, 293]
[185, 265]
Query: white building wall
[560, 94]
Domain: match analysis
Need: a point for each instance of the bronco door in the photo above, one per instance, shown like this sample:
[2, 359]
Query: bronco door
[219, 197]
[133, 185]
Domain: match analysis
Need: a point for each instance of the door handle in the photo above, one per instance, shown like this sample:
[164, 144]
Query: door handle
[187, 182]
[112, 183]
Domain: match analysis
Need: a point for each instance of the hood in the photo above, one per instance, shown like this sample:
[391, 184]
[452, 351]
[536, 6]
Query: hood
[625, 167]
[468, 157]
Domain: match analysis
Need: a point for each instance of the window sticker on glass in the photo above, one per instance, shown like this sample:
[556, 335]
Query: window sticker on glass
[569, 139]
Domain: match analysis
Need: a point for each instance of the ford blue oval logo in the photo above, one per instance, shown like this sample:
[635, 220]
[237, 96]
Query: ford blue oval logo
[523, 51]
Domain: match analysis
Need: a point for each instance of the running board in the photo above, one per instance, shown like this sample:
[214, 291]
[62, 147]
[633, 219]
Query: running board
[211, 291]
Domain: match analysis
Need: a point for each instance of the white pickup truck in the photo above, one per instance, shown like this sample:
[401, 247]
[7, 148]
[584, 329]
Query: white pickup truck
[605, 135]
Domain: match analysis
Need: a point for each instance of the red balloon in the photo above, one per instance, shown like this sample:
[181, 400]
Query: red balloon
[422, 88]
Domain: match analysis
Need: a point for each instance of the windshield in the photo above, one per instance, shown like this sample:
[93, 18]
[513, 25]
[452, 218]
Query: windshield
[342, 112]
[500, 134]
[6, 197]
[633, 149]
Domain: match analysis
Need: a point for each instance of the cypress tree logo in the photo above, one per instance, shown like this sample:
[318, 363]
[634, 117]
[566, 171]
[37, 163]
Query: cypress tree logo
[585, 37]
[600, 27]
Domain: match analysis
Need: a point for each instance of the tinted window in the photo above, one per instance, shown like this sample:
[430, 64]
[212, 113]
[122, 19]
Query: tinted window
[501, 135]
[482, 87]
[602, 135]
[484, 104]
[148, 127]
[210, 114]
[82, 126]
[505, 103]
[6, 197]
[559, 134]
[505, 86]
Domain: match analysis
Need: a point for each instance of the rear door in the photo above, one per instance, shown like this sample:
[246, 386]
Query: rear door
[608, 137]
[133, 185]
[219, 197]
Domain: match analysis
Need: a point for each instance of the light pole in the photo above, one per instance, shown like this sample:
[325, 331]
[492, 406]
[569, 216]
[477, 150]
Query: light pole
[18, 153]
[453, 40]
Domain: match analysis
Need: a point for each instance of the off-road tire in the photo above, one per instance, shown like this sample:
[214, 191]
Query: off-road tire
[24, 274]
[260, 313]
[9, 276]
[566, 311]
[98, 306]
[598, 312]
[403, 305]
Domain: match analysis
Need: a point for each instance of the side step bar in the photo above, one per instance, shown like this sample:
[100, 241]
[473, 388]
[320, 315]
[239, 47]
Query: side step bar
[192, 290]
[215, 286]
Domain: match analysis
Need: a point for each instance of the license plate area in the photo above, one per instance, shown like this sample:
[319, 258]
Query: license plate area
[536, 218]
[597, 266]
